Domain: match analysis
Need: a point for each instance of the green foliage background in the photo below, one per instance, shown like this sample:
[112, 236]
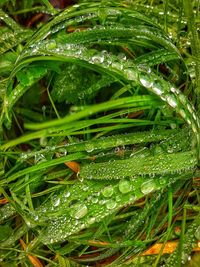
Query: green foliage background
[114, 87]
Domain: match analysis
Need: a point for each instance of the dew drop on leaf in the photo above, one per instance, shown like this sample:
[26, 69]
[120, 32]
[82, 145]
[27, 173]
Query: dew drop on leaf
[111, 204]
[182, 113]
[51, 45]
[145, 80]
[107, 191]
[183, 99]
[124, 186]
[57, 202]
[91, 220]
[78, 211]
[89, 147]
[157, 88]
[94, 200]
[172, 101]
[148, 186]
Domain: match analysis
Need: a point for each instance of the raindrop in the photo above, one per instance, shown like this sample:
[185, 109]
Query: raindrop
[111, 204]
[23, 156]
[122, 56]
[188, 121]
[182, 113]
[131, 74]
[78, 211]
[157, 88]
[174, 90]
[118, 198]
[190, 108]
[145, 68]
[89, 147]
[194, 128]
[171, 101]
[67, 194]
[107, 191]
[124, 186]
[51, 45]
[36, 217]
[102, 202]
[94, 200]
[184, 258]
[145, 80]
[183, 99]
[148, 186]
[194, 116]
[97, 59]
[57, 202]
[43, 141]
[132, 198]
[81, 95]
[91, 220]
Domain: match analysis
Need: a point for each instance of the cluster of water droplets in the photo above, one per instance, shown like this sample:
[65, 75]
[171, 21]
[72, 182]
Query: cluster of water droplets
[86, 203]
[163, 89]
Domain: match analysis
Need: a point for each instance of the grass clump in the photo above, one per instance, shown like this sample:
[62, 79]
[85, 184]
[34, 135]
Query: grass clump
[100, 133]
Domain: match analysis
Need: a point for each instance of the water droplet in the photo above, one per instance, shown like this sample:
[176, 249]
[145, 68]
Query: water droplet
[183, 99]
[111, 204]
[157, 88]
[94, 200]
[182, 113]
[39, 158]
[57, 202]
[145, 80]
[43, 141]
[78, 211]
[190, 108]
[131, 74]
[174, 90]
[122, 56]
[118, 198]
[171, 100]
[102, 202]
[107, 191]
[184, 258]
[36, 217]
[148, 186]
[194, 116]
[144, 68]
[89, 147]
[124, 186]
[91, 220]
[23, 156]
[132, 198]
[97, 59]
[67, 194]
[189, 121]
[51, 45]
[194, 128]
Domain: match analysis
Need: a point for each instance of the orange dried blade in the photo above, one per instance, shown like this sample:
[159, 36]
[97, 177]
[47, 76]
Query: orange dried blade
[71, 29]
[3, 201]
[74, 166]
[135, 114]
[34, 260]
[22, 243]
[128, 51]
[155, 249]
[168, 248]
